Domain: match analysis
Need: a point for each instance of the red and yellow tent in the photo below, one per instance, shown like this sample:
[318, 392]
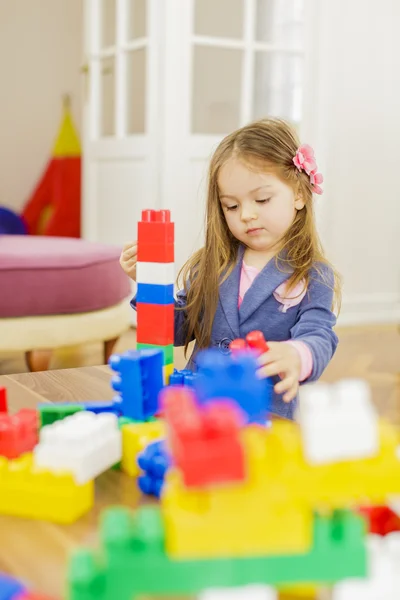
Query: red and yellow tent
[55, 205]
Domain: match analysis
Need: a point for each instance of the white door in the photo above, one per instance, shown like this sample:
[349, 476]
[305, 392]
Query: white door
[120, 117]
[227, 62]
[167, 80]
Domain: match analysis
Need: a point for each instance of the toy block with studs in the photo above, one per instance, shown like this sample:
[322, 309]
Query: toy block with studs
[330, 414]
[254, 341]
[183, 377]
[149, 293]
[135, 562]
[155, 324]
[85, 444]
[154, 462]
[156, 237]
[18, 433]
[168, 351]
[138, 381]
[50, 413]
[205, 441]
[135, 438]
[233, 377]
[155, 274]
[29, 491]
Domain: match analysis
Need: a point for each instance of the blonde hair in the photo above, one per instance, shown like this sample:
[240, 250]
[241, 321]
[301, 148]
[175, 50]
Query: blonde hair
[270, 145]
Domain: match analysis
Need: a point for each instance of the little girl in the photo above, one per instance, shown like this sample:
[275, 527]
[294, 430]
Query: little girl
[262, 266]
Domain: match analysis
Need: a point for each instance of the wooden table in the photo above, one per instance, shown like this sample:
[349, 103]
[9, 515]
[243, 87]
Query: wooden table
[37, 551]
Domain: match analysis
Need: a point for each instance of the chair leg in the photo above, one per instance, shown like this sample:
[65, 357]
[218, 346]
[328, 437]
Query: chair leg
[108, 349]
[38, 360]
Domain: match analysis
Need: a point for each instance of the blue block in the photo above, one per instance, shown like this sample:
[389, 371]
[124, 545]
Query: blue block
[10, 587]
[155, 462]
[151, 293]
[233, 377]
[139, 380]
[112, 406]
[184, 377]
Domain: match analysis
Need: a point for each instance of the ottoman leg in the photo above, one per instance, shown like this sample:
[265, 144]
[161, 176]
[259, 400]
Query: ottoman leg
[38, 360]
[108, 349]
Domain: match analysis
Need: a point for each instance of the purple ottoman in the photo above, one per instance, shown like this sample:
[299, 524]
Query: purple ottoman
[60, 292]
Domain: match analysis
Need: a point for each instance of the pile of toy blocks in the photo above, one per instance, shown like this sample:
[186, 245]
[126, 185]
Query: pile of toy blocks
[249, 505]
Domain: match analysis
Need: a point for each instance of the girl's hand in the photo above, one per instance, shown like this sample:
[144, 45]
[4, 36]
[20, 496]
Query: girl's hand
[128, 259]
[281, 359]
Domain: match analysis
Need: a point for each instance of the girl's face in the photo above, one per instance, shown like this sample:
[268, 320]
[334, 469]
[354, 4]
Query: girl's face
[259, 208]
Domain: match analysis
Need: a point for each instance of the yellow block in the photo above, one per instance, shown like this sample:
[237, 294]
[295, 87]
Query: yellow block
[28, 491]
[135, 437]
[238, 519]
[340, 485]
[168, 370]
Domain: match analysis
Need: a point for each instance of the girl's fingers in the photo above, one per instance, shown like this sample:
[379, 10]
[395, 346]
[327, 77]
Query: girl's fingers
[291, 393]
[285, 385]
[271, 369]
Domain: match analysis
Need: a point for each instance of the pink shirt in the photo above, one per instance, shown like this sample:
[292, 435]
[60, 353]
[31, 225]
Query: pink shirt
[247, 276]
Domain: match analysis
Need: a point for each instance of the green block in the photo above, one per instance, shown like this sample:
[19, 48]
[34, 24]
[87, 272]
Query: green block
[49, 413]
[167, 350]
[133, 562]
[127, 421]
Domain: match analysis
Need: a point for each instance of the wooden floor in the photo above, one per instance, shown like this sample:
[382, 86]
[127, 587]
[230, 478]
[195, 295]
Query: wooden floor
[372, 353]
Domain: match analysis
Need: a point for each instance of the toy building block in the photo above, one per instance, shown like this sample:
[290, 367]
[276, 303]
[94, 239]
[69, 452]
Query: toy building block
[205, 442]
[139, 381]
[330, 414]
[154, 462]
[248, 592]
[3, 400]
[50, 413]
[155, 323]
[353, 482]
[18, 433]
[156, 237]
[135, 438]
[155, 274]
[383, 580]
[133, 562]
[150, 293]
[254, 341]
[85, 444]
[167, 372]
[34, 493]
[168, 351]
[183, 377]
[238, 345]
[233, 377]
[10, 587]
[381, 520]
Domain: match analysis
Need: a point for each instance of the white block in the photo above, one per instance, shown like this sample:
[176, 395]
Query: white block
[85, 444]
[248, 592]
[383, 580]
[156, 273]
[338, 422]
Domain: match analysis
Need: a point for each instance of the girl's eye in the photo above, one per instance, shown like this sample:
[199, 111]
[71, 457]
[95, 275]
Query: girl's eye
[231, 207]
[263, 201]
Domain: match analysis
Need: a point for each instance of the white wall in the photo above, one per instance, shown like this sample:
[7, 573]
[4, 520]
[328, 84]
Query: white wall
[40, 59]
[359, 137]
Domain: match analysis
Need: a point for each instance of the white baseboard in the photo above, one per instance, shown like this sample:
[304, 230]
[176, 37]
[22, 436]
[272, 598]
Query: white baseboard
[362, 309]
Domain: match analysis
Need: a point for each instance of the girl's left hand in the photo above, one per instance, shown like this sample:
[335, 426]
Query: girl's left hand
[281, 359]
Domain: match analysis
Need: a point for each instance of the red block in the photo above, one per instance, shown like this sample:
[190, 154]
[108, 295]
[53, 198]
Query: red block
[3, 400]
[381, 519]
[205, 441]
[155, 323]
[256, 341]
[18, 433]
[156, 237]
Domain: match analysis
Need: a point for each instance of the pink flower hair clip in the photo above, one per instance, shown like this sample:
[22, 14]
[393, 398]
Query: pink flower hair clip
[304, 160]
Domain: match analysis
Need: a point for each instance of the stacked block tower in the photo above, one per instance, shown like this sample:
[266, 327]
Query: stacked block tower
[155, 285]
